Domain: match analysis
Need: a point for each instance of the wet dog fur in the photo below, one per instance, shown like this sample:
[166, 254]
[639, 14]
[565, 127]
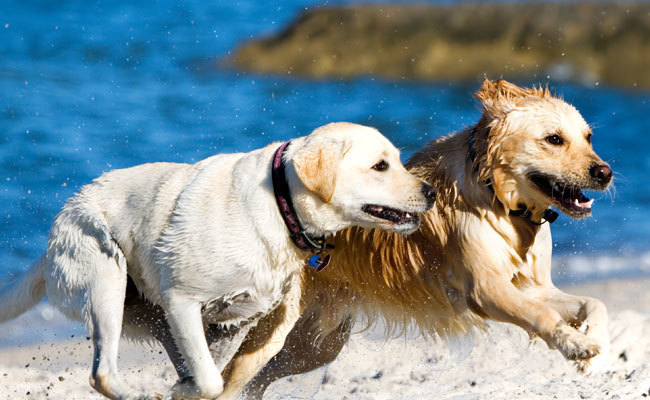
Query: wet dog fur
[472, 259]
[206, 244]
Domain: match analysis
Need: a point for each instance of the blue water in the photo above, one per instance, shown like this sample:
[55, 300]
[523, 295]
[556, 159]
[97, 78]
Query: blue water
[86, 87]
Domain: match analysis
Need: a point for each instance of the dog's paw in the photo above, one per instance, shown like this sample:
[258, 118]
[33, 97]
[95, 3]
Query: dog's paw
[590, 366]
[573, 344]
[186, 388]
[596, 364]
[112, 386]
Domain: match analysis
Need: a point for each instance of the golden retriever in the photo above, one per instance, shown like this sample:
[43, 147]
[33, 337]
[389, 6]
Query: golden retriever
[482, 252]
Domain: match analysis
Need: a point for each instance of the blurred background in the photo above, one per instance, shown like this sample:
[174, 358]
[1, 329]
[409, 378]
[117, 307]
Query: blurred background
[89, 86]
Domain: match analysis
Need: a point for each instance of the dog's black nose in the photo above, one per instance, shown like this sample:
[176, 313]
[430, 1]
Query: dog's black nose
[602, 173]
[429, 192]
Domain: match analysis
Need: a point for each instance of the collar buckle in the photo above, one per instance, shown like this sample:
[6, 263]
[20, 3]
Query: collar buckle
[549, 215]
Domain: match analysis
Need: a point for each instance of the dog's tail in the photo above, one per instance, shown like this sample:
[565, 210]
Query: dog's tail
[23, 293]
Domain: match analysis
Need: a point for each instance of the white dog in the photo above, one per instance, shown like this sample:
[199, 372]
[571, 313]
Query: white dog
[218, 242]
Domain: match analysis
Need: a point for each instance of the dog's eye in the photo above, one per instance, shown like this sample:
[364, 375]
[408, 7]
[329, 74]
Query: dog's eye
[589, 137]
[555, 140]
[380, 166]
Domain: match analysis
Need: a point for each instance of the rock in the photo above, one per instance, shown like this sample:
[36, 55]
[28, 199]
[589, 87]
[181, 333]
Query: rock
[587, 42]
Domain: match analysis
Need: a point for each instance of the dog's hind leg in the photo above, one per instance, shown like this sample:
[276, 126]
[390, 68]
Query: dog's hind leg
[264, 342]
[104, 308]
[89, 272]
[300, 354]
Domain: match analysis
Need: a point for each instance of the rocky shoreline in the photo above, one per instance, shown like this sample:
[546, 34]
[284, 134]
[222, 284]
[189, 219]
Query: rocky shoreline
[588, 42]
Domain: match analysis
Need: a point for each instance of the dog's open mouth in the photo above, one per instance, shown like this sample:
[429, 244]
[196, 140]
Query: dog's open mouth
[568, 197]
[390, 214]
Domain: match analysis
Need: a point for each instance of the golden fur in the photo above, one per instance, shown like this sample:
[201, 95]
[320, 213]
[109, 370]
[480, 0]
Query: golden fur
[406, 279]
[471, 259]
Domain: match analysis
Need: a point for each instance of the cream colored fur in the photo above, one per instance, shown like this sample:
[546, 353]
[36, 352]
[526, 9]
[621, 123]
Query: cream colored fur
[206, 244]
[470, 260]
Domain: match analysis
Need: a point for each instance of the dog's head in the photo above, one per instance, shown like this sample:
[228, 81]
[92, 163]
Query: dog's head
[537, 150]
[355, 177]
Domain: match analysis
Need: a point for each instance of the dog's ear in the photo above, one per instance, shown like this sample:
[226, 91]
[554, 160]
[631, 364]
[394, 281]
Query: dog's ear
[542, 92]
[317, 166]
[505, 188]
[499, 97]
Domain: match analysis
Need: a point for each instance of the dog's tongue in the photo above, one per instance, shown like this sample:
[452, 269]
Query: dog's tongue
[584, 204]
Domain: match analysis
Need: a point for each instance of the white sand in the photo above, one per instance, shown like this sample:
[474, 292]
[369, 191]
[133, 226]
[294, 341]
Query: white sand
[38, 356]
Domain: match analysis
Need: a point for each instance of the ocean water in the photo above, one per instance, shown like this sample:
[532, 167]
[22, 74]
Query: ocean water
[89, 86]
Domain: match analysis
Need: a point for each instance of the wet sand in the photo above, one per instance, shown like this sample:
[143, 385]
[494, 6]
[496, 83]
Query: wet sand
[39, 358]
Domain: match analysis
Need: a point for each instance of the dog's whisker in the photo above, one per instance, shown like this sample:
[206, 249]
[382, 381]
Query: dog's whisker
[611, 192]
[594, 125]
[620, 177]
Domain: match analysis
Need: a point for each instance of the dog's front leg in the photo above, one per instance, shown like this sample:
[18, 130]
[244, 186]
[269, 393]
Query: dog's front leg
[588, 315]
[203, 379]
[264, 342]
[499, 299]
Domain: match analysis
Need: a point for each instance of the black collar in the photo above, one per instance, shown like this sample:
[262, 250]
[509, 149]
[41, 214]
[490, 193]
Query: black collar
[549, 215]
[283, 198]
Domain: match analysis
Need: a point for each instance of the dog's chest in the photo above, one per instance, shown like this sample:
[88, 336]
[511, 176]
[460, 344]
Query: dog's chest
[227, 249]
[246, 305]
